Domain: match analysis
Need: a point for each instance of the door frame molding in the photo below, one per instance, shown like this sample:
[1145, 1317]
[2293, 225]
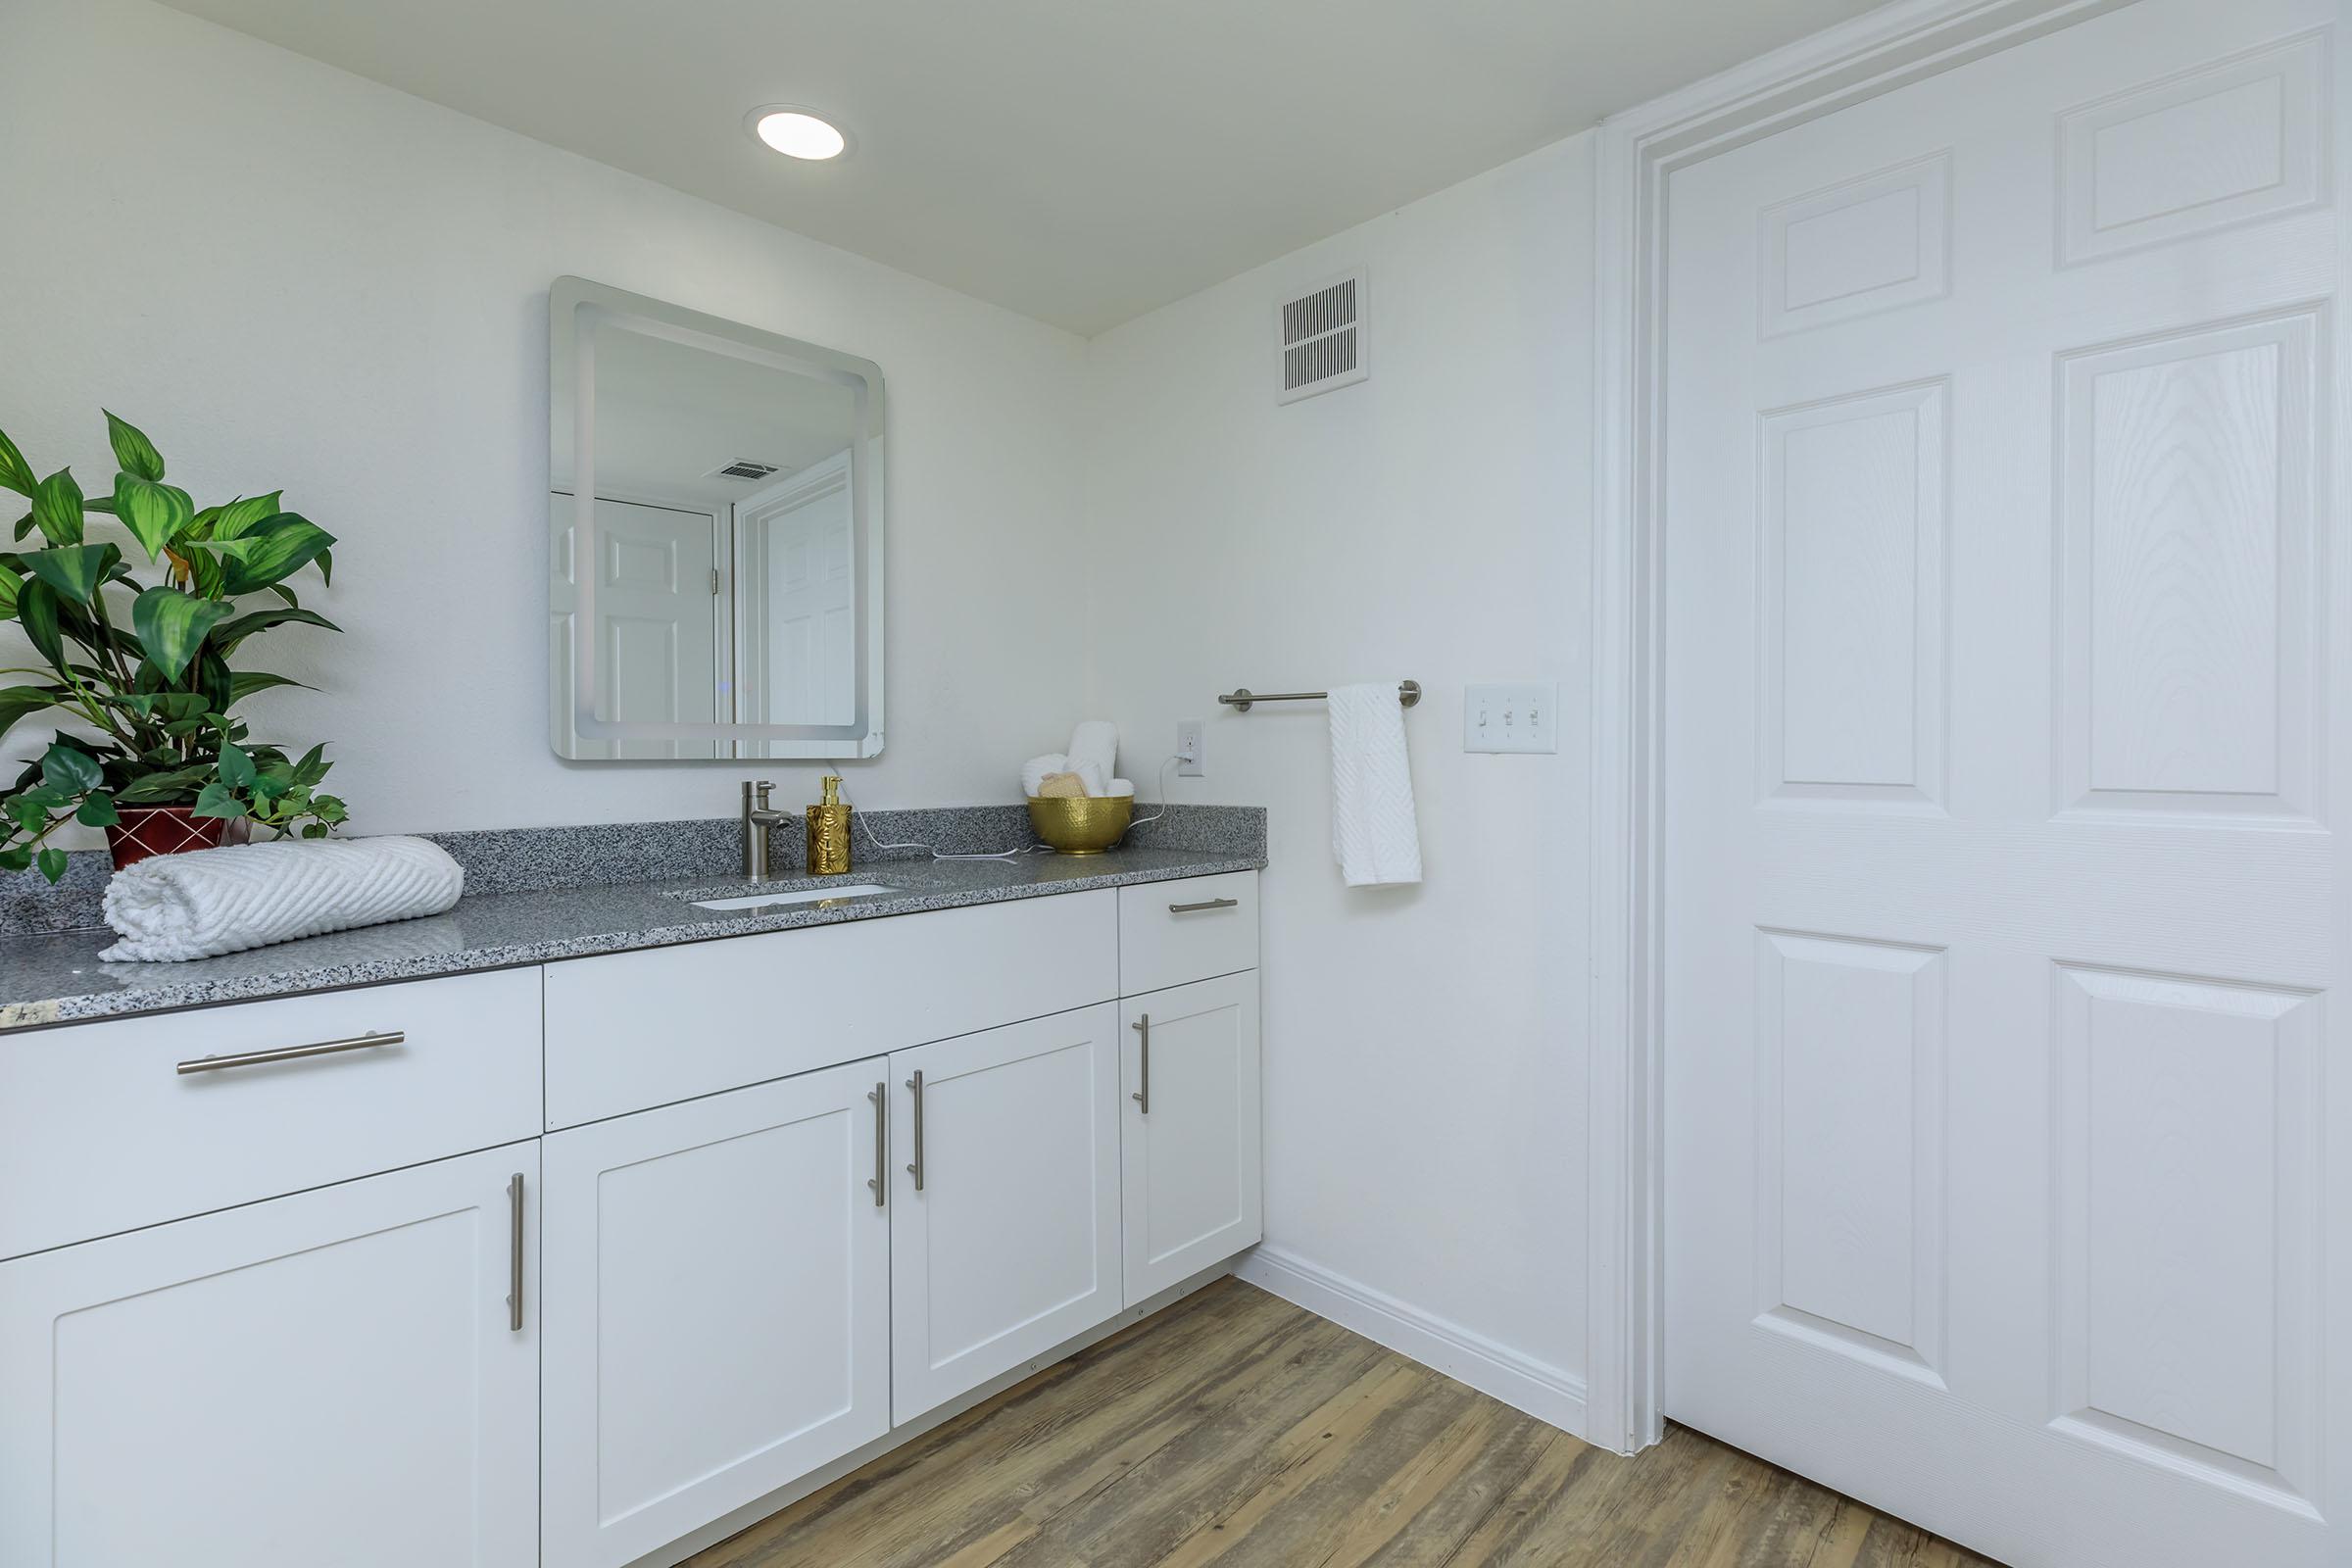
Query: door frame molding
[1637, 152]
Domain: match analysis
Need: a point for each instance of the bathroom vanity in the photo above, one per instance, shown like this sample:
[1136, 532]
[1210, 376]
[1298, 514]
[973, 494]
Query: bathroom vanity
[586, 1261]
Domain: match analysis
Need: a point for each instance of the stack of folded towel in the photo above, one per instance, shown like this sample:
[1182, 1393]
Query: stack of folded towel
[1090, 767]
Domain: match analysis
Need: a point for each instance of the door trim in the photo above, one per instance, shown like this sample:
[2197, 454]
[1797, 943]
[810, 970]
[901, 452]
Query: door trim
[1637, 150]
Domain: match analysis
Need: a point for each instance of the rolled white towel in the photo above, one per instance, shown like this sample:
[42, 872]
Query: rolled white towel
[1095, 744]
[1095, 782]
[170, 908]
[1034, 771]
[1121, 789]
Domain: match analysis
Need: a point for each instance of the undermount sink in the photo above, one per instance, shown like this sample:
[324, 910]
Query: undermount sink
[759, 901]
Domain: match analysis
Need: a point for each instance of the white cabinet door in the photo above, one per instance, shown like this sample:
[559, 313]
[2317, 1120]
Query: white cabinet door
[2007, 1111]
[1005, 1222]
[1190, 1144]
[331, 1379]
[717, 1307]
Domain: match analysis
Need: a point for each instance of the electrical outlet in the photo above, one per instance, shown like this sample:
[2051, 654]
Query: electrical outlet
[1189, 762]
[1511, 716]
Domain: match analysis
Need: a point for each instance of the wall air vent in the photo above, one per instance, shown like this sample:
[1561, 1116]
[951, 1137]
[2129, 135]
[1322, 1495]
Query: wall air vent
[744, 469]
[1322, 336]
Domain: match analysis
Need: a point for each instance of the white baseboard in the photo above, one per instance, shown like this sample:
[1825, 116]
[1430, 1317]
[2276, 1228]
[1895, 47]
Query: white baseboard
[1545, 1392]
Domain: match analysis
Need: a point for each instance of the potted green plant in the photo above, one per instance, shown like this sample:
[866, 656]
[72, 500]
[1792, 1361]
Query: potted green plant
[157, 756]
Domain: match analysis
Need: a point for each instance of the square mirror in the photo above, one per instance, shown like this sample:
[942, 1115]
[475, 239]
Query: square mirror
[714, 537]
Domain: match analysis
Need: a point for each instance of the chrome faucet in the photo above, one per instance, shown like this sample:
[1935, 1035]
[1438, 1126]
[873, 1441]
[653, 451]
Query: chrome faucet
[759, 819]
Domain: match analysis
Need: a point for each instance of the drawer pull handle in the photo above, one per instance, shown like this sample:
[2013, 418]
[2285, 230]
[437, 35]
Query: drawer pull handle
[1143, 1093]
[321, 1048]
[880, 1180]
[515, 1255]
[915, 1170]
[1205, 904]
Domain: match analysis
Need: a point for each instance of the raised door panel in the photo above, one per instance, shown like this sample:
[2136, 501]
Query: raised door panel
[1190, 1146]
[328, 1378]
[718, 1300]
[1005, 1215]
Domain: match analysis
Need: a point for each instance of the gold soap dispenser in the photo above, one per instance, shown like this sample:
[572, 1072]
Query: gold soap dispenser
[829, 832]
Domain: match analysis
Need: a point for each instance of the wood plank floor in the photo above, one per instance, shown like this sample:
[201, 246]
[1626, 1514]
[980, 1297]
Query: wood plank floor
[1237, 1430]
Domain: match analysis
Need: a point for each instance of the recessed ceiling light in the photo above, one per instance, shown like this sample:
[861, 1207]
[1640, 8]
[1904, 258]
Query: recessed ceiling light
[796, 133]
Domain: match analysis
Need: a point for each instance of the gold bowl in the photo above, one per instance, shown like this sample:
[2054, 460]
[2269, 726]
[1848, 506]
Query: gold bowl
[1079, 824]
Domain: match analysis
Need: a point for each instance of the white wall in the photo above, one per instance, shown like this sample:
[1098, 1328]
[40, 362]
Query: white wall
[290, 276]
[1425, 1065]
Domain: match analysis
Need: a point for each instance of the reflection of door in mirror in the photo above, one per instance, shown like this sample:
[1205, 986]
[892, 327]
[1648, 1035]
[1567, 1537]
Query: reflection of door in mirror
[657, 625]
[797, 653]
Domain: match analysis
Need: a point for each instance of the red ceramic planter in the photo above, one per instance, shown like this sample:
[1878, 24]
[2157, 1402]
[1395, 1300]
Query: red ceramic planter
[147, 830]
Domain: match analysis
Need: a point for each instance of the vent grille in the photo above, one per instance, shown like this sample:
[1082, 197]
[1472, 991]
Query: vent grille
[745, 469]
[1322, 339]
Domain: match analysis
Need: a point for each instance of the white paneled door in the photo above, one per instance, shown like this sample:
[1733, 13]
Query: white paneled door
[2005, 909]
[1004, 1205]
[718, 1306]
[348, 1376]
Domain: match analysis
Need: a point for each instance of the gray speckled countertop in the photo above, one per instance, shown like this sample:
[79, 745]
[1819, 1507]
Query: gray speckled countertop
[58, 979]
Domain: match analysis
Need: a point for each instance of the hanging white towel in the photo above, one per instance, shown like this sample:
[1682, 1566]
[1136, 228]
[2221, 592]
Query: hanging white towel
[1374, 833]
[196, 906]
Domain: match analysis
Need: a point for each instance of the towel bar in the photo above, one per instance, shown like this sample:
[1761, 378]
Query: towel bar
[1242, 697]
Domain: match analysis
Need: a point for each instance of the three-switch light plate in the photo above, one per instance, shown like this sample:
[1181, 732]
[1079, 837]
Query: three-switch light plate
[1511, 716]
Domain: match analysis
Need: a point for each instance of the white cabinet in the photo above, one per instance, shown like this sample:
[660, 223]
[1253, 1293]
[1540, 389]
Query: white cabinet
[718, 1306]
[333, 1378]
[1005, 1209]
[1189, 1143]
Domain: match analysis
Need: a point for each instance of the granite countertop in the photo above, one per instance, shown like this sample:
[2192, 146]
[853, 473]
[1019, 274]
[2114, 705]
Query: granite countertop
[58, 978]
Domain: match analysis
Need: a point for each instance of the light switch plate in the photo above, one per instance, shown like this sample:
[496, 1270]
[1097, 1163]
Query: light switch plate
[1511, 716]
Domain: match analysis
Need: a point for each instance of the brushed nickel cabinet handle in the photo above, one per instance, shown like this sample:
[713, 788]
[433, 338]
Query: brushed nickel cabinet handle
[915, 1170]
[880, 1180]
[321, 1048]
[514, 1253]
[1142, 1095]
[1205, 904]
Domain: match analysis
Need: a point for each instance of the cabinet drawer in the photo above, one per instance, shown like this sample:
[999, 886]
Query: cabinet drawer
[101, 1131]
[626, 1031]
[1173, 933]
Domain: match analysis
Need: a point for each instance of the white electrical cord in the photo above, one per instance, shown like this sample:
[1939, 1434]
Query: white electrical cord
[860, 819]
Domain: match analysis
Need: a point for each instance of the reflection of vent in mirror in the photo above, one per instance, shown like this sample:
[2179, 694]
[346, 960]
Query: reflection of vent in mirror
[1322, 339]
[745, 469]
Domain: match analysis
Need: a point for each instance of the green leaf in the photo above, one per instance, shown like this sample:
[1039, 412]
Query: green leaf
[237, 518]
[69, 770]
[164, 787]
[171, 625]
[236, 768]
[217, 800]
[133, 449]
[293, 542]
[277, 588]
[237, 632]
[52, 863]
[157, 514]
[17, 702]
[98, 812]
[57, 507]
[23, 526]
[73, 571]
[37, 608]
[245, 682]
[17, 858]
[9, 584]
[312, 768]
[15, 472]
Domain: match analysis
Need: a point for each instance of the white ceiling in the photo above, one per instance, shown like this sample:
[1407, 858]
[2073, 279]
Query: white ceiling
[1078, 161]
